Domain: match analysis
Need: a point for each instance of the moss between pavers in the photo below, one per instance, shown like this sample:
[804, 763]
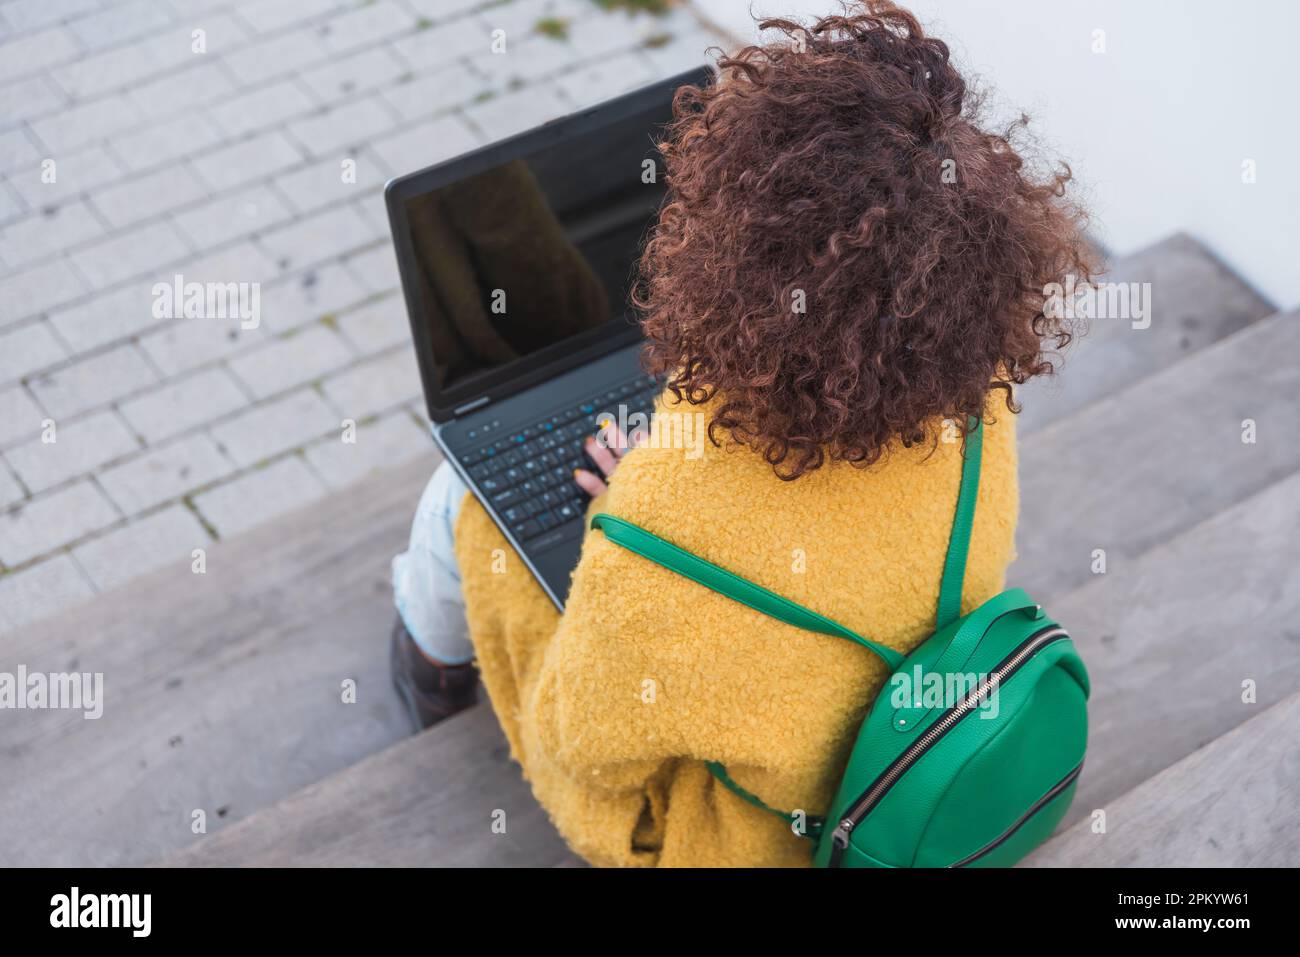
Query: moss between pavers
[557, 28]
[207, 526]
[658, 7]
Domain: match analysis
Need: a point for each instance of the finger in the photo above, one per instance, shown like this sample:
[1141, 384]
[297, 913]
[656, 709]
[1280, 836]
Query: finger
[603, 458]
[589, 482]
[612, 438]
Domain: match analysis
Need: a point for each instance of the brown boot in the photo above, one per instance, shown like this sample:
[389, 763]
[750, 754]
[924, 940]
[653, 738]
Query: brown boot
[430, 692]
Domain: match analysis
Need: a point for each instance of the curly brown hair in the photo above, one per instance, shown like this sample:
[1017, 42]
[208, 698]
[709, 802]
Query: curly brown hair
[842, 169]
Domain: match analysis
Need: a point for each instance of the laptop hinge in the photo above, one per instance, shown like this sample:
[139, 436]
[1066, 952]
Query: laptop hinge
[471, 406]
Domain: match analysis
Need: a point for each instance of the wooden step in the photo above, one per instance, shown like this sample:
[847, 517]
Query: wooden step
[1164, 681]
[1133, 627]
[1131, 470]
[223, 690]
[1170, 639]
[1233, 803]
[450, 797]
[1195, 300]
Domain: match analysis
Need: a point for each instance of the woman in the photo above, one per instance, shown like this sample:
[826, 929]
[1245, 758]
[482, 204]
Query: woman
[847, 269]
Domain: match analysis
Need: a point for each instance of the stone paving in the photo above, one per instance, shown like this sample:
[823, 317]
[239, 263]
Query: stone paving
[236, 143]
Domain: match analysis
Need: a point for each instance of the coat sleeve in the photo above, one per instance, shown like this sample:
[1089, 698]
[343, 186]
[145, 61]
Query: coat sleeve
[622, 780]
[591, 703]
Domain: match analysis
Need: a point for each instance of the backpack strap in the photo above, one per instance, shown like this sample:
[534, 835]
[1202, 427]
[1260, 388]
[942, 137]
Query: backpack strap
[714, 577]
[812, 825]
[954, 564]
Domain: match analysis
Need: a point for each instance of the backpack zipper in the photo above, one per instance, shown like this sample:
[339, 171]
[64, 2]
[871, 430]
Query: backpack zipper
[1037, 806]
[889, 777]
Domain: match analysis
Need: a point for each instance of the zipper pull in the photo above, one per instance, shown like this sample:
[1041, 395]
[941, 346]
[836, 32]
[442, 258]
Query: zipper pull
[841, 836]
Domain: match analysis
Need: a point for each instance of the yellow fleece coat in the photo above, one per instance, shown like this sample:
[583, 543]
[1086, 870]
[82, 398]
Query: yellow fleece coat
[613, 708]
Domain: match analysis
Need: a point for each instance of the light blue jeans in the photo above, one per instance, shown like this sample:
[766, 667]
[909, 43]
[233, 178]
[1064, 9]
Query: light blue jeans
[426, 579]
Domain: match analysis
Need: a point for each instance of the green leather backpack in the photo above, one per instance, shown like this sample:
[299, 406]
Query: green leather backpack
[970, 754]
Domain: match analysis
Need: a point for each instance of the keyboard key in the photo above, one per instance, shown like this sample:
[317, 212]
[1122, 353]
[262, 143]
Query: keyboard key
[506, 499]
[527, 529]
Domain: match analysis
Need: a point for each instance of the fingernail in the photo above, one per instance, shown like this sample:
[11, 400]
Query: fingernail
[577, 472]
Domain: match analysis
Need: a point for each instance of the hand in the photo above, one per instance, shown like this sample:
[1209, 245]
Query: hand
[606, 454]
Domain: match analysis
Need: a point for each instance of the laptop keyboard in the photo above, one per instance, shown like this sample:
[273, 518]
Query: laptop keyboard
[528, 475]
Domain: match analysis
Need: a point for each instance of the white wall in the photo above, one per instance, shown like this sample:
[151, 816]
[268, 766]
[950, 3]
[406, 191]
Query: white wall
[1157, 127]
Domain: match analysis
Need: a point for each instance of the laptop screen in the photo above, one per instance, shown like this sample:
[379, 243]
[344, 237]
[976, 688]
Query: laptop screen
[535, 250]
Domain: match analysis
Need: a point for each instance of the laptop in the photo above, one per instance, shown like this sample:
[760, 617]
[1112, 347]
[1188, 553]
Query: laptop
[516, 263]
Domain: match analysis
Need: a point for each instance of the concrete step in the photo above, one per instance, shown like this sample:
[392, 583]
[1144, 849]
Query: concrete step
[1233, 803]
[1195, 301]
[1165, 681]
[223, 690]
[450, 797]
[1135, 468]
